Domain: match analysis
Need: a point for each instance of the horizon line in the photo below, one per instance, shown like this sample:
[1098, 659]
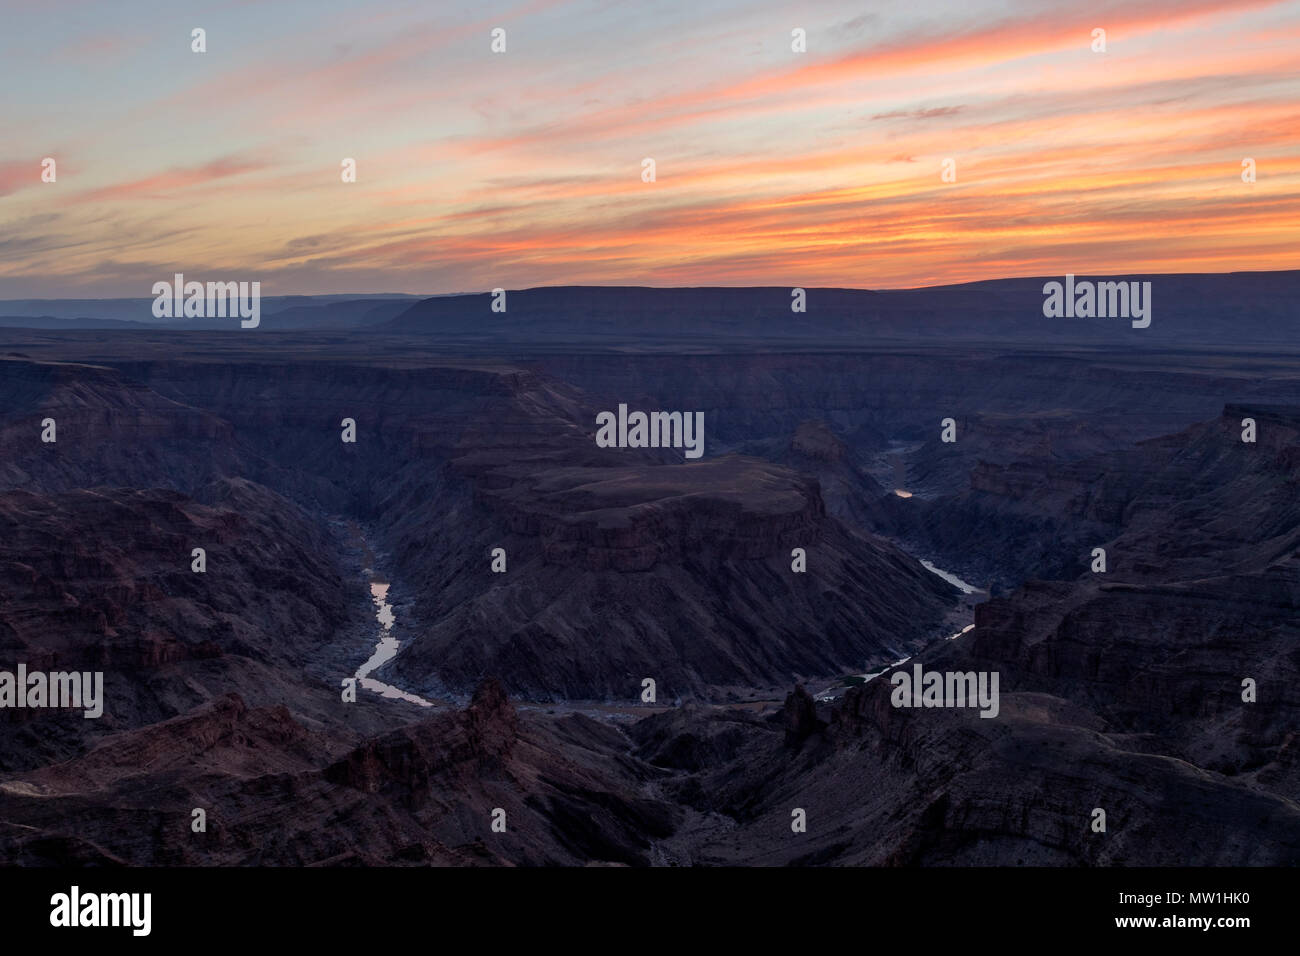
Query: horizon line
[617, 285]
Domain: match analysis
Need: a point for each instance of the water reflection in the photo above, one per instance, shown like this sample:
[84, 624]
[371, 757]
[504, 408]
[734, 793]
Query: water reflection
[385, 648]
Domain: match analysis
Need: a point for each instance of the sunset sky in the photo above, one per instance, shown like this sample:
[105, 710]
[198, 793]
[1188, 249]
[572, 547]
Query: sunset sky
[478, 170]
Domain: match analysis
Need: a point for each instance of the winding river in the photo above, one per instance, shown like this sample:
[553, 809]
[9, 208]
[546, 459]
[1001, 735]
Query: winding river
[386, 645]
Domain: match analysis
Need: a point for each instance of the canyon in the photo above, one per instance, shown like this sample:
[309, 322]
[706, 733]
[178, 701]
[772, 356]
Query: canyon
[521, 689]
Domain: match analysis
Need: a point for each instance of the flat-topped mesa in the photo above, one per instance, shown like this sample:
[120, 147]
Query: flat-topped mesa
[629, 519]
[290, 411]
[1001, 310]
[93, 403]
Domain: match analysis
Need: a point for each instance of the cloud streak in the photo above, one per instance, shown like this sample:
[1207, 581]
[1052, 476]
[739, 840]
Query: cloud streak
[478, 170]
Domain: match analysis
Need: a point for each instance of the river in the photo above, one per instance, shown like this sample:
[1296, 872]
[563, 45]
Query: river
[386, 644]
[950, 578]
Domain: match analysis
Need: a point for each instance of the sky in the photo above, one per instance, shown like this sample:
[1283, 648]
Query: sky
[478, 169]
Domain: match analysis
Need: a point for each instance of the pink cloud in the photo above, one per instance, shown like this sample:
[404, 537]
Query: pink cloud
[172, 180]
